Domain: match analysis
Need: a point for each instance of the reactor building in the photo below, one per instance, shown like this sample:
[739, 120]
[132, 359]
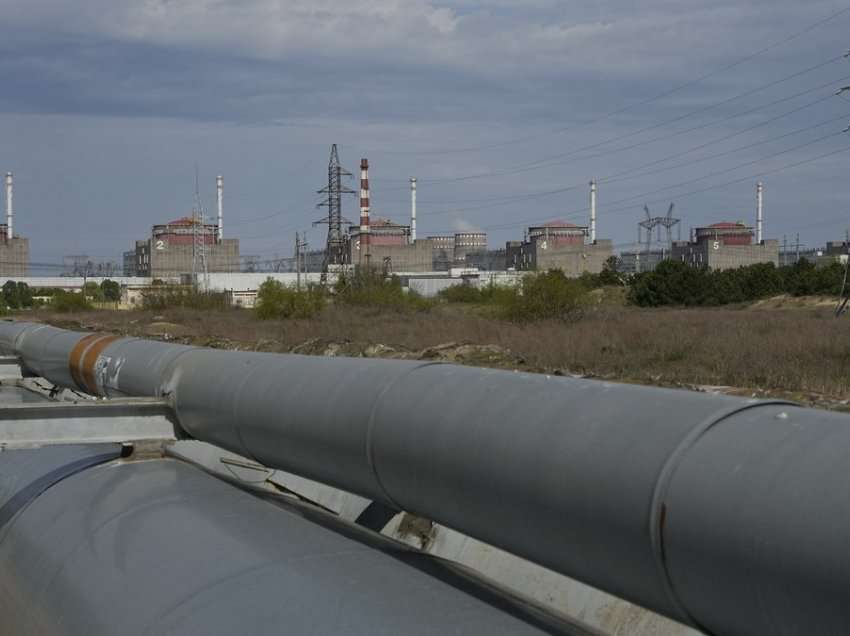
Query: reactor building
[573, 249]
[389, 247]
[559, 245]
[726, 245]
[14, 250]
[183, 245]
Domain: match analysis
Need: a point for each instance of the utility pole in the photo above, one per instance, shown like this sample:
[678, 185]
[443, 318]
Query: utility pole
[784, 249]
[593, 211]
[297, 262]
[797, 256]
[86, 278]
[412, 209]
[842, 298]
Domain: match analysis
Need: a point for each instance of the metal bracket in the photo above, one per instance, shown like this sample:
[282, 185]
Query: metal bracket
[131, 420]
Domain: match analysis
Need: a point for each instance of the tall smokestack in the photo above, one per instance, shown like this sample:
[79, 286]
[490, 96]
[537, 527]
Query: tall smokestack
[219, 198]
[412, 209]
[10, 212]
[593, 211]
[364, 210]
[759, 212]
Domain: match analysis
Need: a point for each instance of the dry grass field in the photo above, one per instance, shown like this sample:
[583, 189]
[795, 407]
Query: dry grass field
[801, 352]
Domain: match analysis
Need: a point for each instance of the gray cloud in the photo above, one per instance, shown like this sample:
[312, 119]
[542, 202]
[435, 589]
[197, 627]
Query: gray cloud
[107, 104]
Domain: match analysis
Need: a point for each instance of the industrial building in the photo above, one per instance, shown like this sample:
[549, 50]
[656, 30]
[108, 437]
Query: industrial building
[559, 245]
[442, 252]
[186, 245]
[636, 261]
[468, 246]
[464, 249]
[14, 250]
[393, 247]
[389, 248]
[488, 260]
[725, 245]
[172, 248]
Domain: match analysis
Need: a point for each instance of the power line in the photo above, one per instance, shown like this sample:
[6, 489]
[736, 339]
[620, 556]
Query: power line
[727, 137]
[516, 198]
[724, 153]
[617, 175]
[256, 220]
[574, 213]
[537, 164]
[628, 107]
[555, 159]
[640, 197]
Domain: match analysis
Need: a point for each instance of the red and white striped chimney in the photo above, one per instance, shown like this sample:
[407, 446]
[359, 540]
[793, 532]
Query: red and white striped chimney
[364, 210]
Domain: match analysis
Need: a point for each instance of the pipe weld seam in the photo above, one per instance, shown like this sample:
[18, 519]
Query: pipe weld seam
[32, 491]
[665, 477]
[370, 452]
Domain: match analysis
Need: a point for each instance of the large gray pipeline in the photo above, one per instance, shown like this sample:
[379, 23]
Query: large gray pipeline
[725, 513]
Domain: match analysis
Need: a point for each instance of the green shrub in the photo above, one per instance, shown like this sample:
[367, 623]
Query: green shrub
[368, 288]
[17, 295]
[170, 296]
[609, 276]
[671, 283]
[66, 301]
[542, 296]
[110, 290]
[677, 283]
[462, 293]
[276, 300]
[93, 292]
[804, 278]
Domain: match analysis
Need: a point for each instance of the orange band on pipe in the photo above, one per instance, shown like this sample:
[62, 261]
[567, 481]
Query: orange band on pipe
[89, 360]
[76, 357]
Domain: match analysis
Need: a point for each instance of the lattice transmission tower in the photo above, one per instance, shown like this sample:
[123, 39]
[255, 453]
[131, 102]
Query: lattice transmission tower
[656, 223]
[200, 271]
[336, 252]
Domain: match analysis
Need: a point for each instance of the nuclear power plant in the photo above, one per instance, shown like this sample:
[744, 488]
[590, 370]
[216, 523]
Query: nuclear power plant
[193, 248]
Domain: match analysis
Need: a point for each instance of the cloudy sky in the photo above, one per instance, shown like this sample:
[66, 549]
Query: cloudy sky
[502, 110]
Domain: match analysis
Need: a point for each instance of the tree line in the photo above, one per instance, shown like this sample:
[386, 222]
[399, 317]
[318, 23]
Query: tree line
[19, 295]
[677, 283]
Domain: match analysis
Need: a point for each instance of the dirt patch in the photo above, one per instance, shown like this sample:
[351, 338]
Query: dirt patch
[486, 355]
[167, 330]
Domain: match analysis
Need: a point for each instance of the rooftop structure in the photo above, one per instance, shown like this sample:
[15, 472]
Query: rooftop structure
[382, 232]
[727, 232]
[558, 245]
[725, 245]
[558, 233]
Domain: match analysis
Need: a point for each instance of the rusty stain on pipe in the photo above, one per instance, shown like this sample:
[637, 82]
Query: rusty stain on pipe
[75, 359]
